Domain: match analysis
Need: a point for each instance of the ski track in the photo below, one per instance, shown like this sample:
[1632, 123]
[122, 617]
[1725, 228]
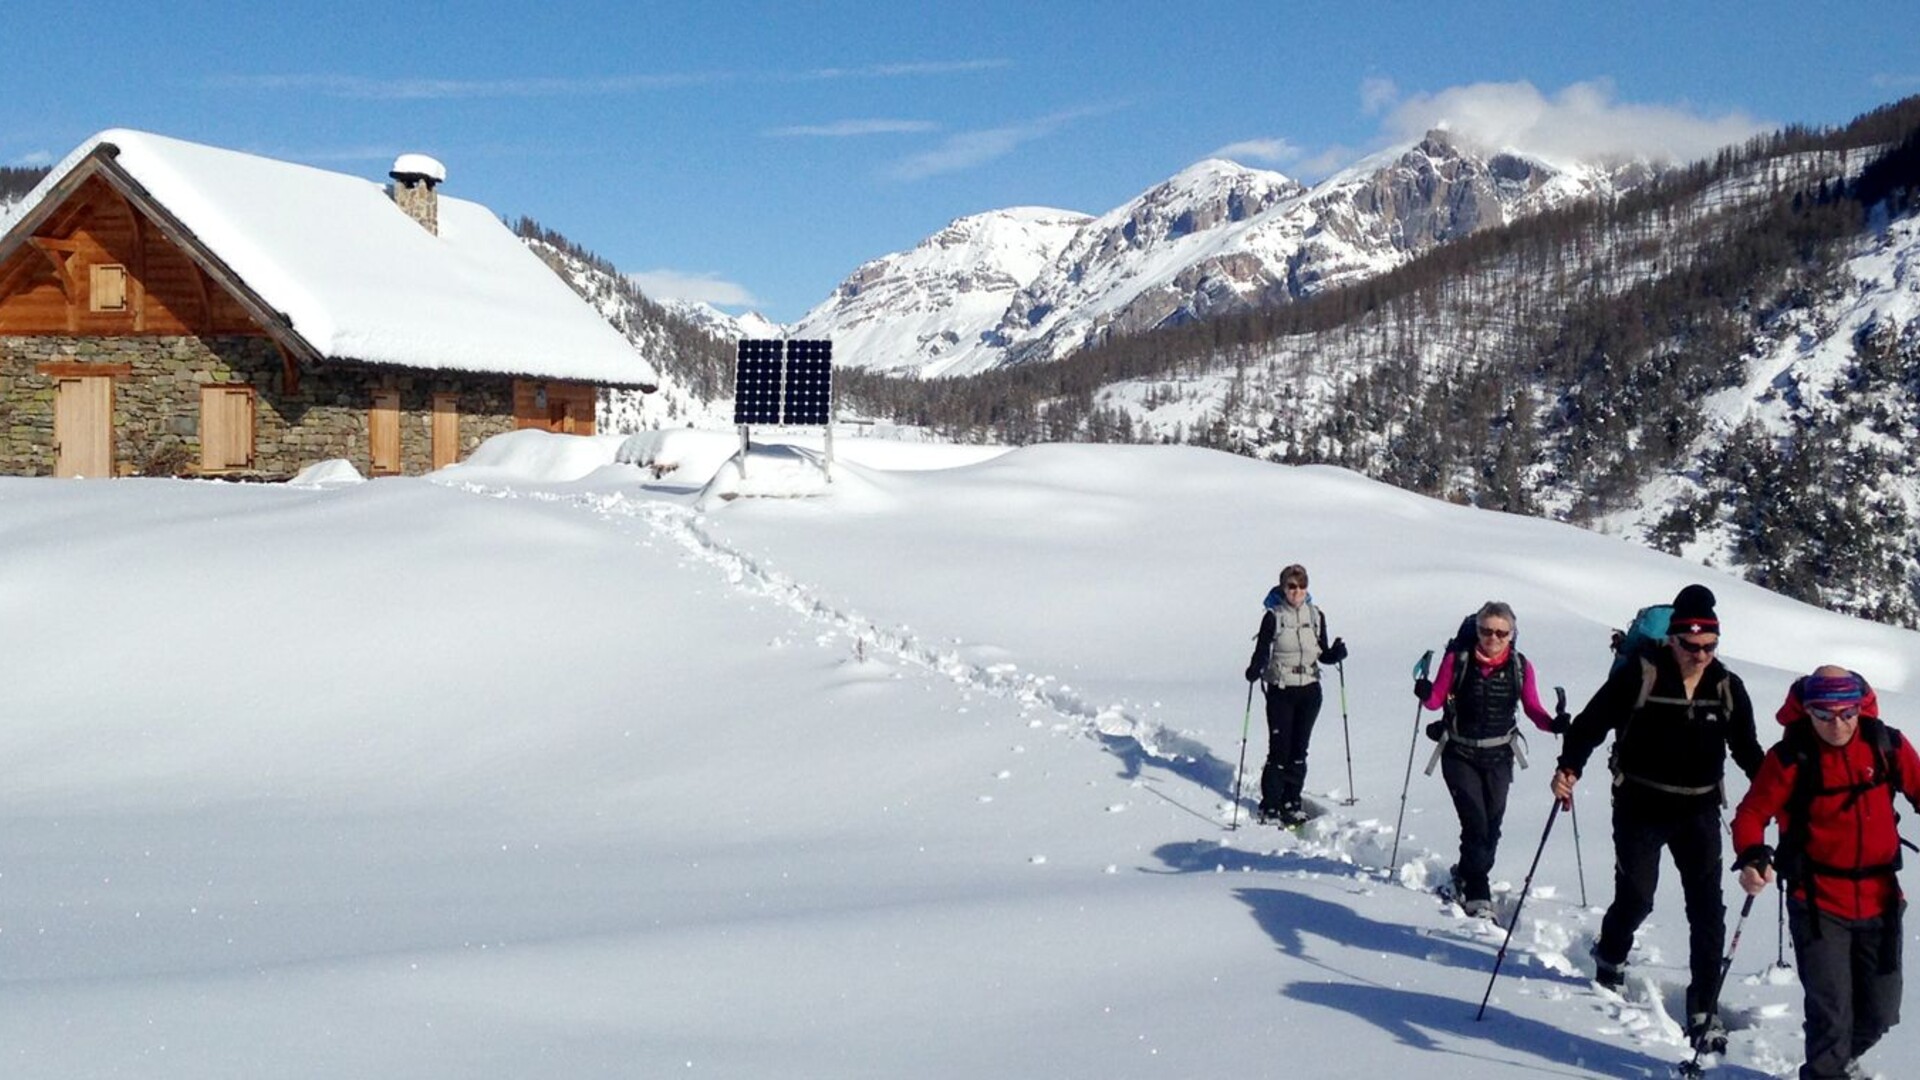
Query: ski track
[1763, 1037]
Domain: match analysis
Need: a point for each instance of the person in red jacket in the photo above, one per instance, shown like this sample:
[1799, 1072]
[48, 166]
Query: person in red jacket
[1830, 784]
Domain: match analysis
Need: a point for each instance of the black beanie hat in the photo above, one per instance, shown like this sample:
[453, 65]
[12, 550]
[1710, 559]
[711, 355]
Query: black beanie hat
[1693, 612]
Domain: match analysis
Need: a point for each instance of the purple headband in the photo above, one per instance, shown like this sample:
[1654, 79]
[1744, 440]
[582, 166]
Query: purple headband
[1832, 689]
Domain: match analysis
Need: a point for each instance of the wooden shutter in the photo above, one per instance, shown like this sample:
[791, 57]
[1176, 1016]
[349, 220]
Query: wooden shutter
[446, 430]
[383, 434]
[226, 428]
[83, 426]
[107, 289]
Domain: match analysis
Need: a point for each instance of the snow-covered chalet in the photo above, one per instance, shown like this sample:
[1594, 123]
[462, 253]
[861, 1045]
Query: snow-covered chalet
[168, 308]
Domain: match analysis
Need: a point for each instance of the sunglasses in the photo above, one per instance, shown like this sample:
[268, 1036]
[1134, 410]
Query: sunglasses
[1294, 586]
[1697, 648]
[1841, 715]
[1497, 635]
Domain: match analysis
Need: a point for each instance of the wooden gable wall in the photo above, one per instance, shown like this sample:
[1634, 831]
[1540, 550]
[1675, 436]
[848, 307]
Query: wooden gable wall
[47, 286]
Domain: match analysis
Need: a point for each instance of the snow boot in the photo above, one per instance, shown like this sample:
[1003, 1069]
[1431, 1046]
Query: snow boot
[1706, 1034]
[1479, 909]
[1610, 976]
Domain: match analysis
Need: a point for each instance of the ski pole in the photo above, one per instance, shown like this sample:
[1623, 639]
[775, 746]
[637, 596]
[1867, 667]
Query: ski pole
[1241, 770]
[1419, 672]
[1525, 888]
[1346, 734]
[1573, 811]
[1692, 1068]
[1780, 932]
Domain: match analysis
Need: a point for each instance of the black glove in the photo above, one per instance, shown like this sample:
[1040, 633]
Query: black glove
[1253, 672]
[1562, 723]
[1335, 652]
[1759, 856]
[1423, 688]
[1436, 730]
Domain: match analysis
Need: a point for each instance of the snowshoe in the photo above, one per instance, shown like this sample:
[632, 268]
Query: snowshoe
[1480, 909]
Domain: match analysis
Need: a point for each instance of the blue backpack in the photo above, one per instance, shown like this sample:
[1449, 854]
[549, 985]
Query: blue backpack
[1649, 627]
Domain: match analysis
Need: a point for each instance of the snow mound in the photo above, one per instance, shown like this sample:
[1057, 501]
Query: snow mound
[537, 456]
[327, 473]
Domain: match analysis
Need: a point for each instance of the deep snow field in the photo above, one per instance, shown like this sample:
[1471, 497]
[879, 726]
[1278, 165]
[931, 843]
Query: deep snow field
[596, 758]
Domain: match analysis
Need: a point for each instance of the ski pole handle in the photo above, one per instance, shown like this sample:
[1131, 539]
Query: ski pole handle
[1559, 699]
[1420, 669]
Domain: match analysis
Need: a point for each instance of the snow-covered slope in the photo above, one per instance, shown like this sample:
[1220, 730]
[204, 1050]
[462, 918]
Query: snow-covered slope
[924, 311]
[589, 774]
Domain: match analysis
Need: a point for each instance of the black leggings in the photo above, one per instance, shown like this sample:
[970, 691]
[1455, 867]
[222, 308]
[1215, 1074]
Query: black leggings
[1291, 711]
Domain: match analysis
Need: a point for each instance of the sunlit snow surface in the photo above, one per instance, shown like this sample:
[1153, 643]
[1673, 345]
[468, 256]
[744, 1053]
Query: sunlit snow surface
[611, 758]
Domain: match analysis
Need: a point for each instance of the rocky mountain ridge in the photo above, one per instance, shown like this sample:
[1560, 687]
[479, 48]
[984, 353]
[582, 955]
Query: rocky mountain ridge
[994, 290]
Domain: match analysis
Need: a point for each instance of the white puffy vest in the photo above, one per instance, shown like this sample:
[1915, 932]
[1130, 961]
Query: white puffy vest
[1295, 659]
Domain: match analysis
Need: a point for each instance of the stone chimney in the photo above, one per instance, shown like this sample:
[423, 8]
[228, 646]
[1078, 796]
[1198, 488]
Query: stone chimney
[414, 178]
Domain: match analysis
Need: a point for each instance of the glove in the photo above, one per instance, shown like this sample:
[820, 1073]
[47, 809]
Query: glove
[1759, 856]
[1437, 730]
[1562, 723]
[1335, 652]
[1253, 672]
[1423, 688]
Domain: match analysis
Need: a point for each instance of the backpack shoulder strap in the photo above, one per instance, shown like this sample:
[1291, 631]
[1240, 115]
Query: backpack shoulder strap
[1647, 675]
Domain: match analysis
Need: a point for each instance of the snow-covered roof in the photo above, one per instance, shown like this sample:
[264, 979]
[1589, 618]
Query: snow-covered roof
[357, 278]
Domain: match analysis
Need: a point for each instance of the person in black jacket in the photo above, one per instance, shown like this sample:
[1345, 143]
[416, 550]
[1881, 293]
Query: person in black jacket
[1675, 712]
[1482, 685]
[1287, 654]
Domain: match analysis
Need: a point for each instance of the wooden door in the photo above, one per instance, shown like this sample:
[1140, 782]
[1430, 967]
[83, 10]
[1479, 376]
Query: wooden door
[446, 430]
[83, 426]
[383, 434]
[226, 428]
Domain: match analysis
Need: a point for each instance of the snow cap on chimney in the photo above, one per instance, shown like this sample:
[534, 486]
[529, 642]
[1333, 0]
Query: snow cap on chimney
[414, 178]
[418, 168]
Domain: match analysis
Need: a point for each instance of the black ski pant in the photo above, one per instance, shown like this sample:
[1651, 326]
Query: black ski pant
[1644, 822]
[1478, 784]
[1850, 972]
[1291, 711]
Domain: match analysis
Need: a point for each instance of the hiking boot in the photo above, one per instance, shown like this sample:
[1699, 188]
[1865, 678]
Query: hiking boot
[1857, 1071]
[1706, 1033]
[1479, 909]
[1294, 816]
[1267, 815]
[1609, 975]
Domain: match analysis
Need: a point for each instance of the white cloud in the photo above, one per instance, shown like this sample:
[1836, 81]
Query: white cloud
[414, 88]
[967, 149]
[1583, 122]
[1887, 80]
[1377, 94]
[849, 128]
[895, 71]
[680, 285]
[1274, 151]
[34, 159]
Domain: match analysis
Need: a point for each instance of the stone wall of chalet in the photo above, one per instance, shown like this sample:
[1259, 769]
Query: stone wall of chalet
[156, 409]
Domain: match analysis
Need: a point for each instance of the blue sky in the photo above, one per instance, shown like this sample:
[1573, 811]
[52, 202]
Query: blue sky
[754, 154]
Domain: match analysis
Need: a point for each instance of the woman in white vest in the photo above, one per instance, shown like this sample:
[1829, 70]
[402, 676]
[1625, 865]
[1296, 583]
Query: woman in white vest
[1287, 654]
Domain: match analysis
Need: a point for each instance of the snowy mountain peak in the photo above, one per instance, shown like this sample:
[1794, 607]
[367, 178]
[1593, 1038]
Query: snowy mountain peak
[920, 311]
[1022, 285]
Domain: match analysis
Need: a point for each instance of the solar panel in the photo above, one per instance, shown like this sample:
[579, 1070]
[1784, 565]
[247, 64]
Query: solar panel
[756, 382]
[809, 397]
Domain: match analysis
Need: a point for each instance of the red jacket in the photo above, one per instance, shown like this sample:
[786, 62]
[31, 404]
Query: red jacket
[1841, 832]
